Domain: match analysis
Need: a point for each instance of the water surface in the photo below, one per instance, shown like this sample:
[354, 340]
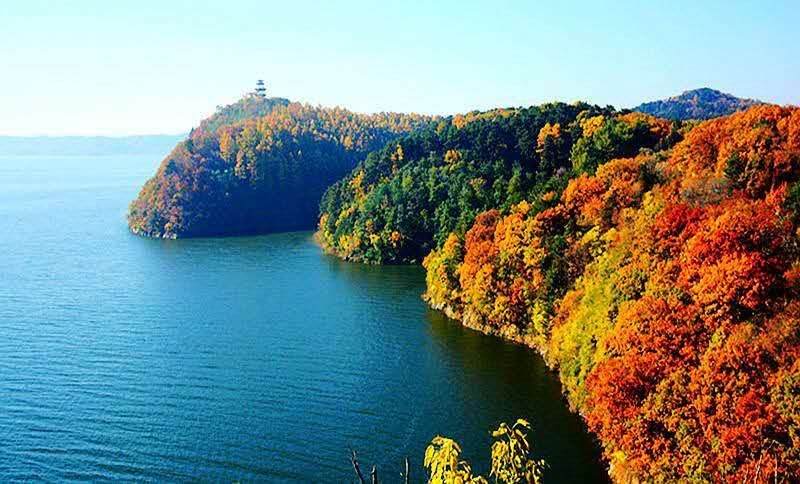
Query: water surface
[252, 359]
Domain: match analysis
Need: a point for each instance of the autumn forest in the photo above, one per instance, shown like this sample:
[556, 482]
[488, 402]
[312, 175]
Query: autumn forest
[651, 257]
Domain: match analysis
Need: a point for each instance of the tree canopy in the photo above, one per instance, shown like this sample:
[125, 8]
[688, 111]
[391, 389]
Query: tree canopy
[257, 166]
[664, 289]
[404, 200]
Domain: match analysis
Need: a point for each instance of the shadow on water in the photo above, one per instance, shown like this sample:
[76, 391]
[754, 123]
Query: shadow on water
[488, 380]
[500, 368]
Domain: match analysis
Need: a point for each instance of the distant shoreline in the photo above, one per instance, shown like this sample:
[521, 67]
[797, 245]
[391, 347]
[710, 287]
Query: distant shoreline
[159, 144]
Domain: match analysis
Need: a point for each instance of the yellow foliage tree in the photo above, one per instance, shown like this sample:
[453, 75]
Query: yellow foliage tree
[442, 459]
[511, 462]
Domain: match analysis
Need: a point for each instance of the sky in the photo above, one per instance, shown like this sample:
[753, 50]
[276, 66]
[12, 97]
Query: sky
[144, 67]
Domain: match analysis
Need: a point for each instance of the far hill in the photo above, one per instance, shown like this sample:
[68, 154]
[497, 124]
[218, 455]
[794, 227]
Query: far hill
[703, 103]
[249, 107]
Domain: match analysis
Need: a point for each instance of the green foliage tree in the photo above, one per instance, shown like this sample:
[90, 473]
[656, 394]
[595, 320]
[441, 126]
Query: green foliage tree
[396, 209]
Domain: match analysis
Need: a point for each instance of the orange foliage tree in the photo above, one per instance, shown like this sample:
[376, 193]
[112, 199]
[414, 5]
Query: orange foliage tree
[664, 288]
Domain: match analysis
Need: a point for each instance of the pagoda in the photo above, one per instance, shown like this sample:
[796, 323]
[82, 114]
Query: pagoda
[261, 89]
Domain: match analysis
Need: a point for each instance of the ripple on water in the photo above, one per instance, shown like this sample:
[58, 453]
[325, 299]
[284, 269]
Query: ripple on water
[252, 359]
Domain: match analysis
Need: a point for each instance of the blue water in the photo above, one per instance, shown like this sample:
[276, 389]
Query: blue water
[251, 359]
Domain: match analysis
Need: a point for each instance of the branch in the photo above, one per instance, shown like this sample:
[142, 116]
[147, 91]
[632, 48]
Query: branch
[356, 467]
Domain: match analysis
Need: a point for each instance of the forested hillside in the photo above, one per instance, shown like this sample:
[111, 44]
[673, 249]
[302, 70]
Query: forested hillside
[257, 166]
[248, 107]
[701, 103]
[405, 199]
[654, 263]
[663, 286]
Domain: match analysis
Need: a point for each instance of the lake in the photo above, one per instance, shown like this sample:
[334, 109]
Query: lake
[250, 359]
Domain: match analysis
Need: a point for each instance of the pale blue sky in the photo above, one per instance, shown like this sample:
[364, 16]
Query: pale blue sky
[125, 67]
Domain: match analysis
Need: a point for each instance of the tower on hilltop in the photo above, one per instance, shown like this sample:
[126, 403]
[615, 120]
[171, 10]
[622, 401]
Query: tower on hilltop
[261, 89]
